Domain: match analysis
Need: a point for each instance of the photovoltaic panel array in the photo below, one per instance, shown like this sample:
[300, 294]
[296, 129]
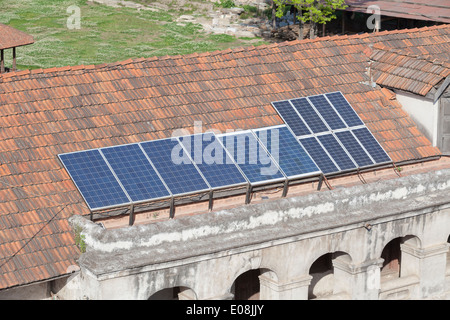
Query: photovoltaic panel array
[251, 157]
[287, 152]
[174, 166]
[332, 132]
[92, 176]
[160, 169]
[212, 160]
[135, 172]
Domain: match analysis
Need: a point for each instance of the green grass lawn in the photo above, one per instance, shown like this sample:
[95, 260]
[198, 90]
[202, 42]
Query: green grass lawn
[107, 34]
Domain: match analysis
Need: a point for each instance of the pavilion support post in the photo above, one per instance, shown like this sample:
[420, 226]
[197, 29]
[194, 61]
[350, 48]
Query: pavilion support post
[14, 59]
[2, 61]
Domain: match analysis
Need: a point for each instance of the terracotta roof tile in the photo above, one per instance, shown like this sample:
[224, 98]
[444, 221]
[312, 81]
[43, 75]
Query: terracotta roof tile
[10, 37]
[47, 112]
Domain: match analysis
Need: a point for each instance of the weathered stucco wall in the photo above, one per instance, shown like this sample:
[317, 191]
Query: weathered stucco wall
[206, 253]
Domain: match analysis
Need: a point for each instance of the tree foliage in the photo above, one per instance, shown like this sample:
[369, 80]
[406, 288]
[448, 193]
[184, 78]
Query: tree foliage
[315, 11]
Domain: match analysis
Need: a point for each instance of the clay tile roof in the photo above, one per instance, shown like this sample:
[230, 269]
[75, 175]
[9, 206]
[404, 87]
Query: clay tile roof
[10, 37]
[47, 112]
[398, 69]
[428, 10]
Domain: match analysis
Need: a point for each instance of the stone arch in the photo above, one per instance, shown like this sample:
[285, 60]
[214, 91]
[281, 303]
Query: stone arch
[174, 293]
[448, 256]
[247, 285]
[392, 255]
[322, 274]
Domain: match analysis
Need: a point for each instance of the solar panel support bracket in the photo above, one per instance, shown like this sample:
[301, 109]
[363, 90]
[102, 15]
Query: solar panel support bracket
[285, 188]
[172, 208]
[248, 195]
[396, 169]
[319, 186]
[131, 219]
[211, 201]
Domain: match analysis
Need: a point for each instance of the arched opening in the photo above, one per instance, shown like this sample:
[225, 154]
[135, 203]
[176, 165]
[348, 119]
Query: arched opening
[392, 255]
[246, 286]
[174, 293]
[448, 258]
[322, 273]
[392, 259]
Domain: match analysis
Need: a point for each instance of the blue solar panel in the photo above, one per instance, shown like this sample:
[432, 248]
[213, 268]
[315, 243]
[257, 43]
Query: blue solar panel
[354, 148]
[345, 109]
[337, 152]
[291, 118]
[94, 179]
[289, 154]
[251, 158]
[135, 172]
[327, 112]
[212, 160]
[309, 115]
[319, 155]
[372, 146]
[174, 166]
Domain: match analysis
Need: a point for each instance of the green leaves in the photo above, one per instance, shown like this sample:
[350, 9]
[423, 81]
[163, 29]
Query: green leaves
[315, 11]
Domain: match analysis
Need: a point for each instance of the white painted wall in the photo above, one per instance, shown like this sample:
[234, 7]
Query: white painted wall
[424, 113]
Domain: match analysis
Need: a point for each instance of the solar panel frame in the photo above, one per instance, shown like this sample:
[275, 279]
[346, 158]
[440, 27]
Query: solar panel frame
[380, 150]
[354, 148]
[130, 186]
[310, 116]
[287, 112]
[320, 155]
[286, 158]
[340, 155]
[186, 174]
[333, 111]
[344, 109]
[122, 201]
[209, 171]
[249, 169]
[327, 112]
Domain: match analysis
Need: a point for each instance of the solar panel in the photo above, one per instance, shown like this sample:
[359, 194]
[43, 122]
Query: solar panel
[292, 119]
[327, 112]
[287, 152]
[309, 115]
[94, 179]
[174, 166]
[135, 172]
[212, 160]
[344, 108]
[251, 157]
[372, 146]
[322, 159]
[336, 138]
[337, 152]
[354, 148]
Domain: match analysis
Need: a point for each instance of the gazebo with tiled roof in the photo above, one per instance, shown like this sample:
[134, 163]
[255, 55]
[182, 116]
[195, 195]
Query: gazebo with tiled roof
[11, 38]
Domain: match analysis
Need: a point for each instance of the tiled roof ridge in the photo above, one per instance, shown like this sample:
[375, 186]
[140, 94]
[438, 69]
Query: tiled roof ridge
[20, 73]
[427, 58]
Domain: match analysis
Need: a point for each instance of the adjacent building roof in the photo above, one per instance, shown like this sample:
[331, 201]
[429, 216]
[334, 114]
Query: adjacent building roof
[399, 69]
[427, 10]
[47, 112]
[10, 37]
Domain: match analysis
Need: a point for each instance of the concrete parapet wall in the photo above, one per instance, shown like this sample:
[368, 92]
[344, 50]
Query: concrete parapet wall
[290, 216]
